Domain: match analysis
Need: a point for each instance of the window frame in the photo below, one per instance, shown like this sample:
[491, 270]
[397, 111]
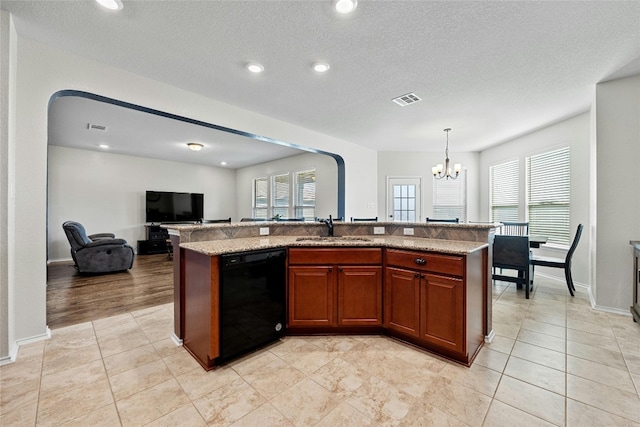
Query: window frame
[551, 195]
[443, 204]
[508, 176]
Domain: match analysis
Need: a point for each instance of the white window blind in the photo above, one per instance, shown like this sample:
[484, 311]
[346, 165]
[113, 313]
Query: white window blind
[549, 195]
[504, 184]
[450, 198]
[280, 195]
[260, 197]
[305, 194]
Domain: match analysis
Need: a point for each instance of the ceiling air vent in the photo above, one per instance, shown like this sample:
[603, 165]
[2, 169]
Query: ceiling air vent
[92, 126]
[404, 100]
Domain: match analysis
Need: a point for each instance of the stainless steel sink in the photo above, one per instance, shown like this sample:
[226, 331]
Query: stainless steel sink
[332, 239]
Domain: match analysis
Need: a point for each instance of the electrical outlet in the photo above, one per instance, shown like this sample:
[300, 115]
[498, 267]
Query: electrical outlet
[378, 230]
[408, 231]
[264, 231]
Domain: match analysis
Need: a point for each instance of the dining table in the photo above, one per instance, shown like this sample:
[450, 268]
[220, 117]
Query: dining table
[536, 241]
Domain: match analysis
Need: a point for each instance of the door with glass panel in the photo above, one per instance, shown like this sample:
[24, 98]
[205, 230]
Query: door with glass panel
[403, 199]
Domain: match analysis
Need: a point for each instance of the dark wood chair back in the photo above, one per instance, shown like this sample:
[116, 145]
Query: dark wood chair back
[561, 263]
[515, 228]
[364, 219]
[512, 253]
[450, 220]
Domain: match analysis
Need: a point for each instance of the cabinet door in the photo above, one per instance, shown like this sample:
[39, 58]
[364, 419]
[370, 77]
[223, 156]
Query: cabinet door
[311, 296]
[441, 311]
[402, 301]
[359, 296]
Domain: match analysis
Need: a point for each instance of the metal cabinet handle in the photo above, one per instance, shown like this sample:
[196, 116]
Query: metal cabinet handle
[330, 269]
[340, 269]
[420, 261]
[416, 275]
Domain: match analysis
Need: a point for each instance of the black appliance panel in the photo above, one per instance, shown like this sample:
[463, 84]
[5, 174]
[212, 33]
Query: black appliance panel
[252, 301]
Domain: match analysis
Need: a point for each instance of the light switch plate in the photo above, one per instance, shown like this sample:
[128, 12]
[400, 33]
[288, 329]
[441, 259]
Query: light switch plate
[378, 230]
[408, 231]
[264, 231]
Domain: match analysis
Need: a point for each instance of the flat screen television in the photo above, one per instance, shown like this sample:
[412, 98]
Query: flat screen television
[168, 206]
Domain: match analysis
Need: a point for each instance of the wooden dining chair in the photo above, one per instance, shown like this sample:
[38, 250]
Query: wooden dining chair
[364, 219]
[512, 253]
[515, 228]
[450, 220]
[561, 263]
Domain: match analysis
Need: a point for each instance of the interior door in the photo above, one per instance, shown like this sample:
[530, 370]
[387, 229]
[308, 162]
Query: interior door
[403, 199]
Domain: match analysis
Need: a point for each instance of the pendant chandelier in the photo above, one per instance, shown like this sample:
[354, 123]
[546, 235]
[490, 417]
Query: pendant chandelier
[439, 171]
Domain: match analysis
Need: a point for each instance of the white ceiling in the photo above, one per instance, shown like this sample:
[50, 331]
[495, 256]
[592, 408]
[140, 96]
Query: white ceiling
[490, 70]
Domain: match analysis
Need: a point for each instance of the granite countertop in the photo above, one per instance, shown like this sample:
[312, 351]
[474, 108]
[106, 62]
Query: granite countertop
[190, 227]
[219, 247]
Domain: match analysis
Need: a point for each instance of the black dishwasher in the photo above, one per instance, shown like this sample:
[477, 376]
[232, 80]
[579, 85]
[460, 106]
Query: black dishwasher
[252, 301]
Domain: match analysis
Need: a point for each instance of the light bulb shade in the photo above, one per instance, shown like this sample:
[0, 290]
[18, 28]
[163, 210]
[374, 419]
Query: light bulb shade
[457, 167]
[255, 67]
[111, 4]
[321, 67]
[345, 6]
[194, 146]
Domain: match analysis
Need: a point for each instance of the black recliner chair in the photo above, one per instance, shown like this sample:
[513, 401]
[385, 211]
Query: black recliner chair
[97, 253]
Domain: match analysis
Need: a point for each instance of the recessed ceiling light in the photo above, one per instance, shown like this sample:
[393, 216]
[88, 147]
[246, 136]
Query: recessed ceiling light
[255, 67]
[223, 163]
[103, 146]
[321, 67]
[345, 6]
[194, 146]
[111, 4]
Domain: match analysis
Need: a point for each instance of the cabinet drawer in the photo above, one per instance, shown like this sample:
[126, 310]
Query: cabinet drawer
[342, 256]
[426, 261]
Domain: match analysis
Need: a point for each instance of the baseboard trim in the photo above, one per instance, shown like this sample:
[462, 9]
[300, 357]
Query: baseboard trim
[177, 341]
[489, 338]
[13, 356]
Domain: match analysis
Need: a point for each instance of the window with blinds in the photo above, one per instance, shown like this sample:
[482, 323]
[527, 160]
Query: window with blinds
[260, 197]
[549, 195]
[305, 194]
[450, 197]
[280, 195]
[273, 195]
[504, 184]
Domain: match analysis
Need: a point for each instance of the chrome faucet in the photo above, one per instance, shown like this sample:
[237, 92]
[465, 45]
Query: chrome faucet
[329, 223]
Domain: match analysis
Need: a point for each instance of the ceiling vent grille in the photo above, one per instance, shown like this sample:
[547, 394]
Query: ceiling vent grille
[92, 126]
[409, 98]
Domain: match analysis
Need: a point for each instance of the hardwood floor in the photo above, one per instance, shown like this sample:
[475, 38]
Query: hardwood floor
[74, 298]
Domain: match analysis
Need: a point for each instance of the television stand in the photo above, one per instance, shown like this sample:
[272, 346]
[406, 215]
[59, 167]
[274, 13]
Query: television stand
[156, 242]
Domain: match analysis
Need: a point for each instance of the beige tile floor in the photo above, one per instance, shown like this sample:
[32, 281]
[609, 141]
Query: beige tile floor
[554, 361]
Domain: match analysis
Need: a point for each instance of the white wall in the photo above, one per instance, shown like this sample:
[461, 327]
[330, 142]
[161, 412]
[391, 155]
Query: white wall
[418, 164]
[41, 71]
[326, 181]
[7, 88]
[618, 193]
[574, 133]
[105, 192]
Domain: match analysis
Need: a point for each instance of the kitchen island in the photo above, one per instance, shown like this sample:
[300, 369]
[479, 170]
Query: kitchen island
[431, 292]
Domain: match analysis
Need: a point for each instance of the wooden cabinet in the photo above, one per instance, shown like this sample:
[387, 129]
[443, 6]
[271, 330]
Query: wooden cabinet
[359, 295]
[335, 287]
[441, 311]
[311, 296]
[432, 301]
[402, 301]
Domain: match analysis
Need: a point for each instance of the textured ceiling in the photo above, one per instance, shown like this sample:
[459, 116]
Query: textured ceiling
[490, 70]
